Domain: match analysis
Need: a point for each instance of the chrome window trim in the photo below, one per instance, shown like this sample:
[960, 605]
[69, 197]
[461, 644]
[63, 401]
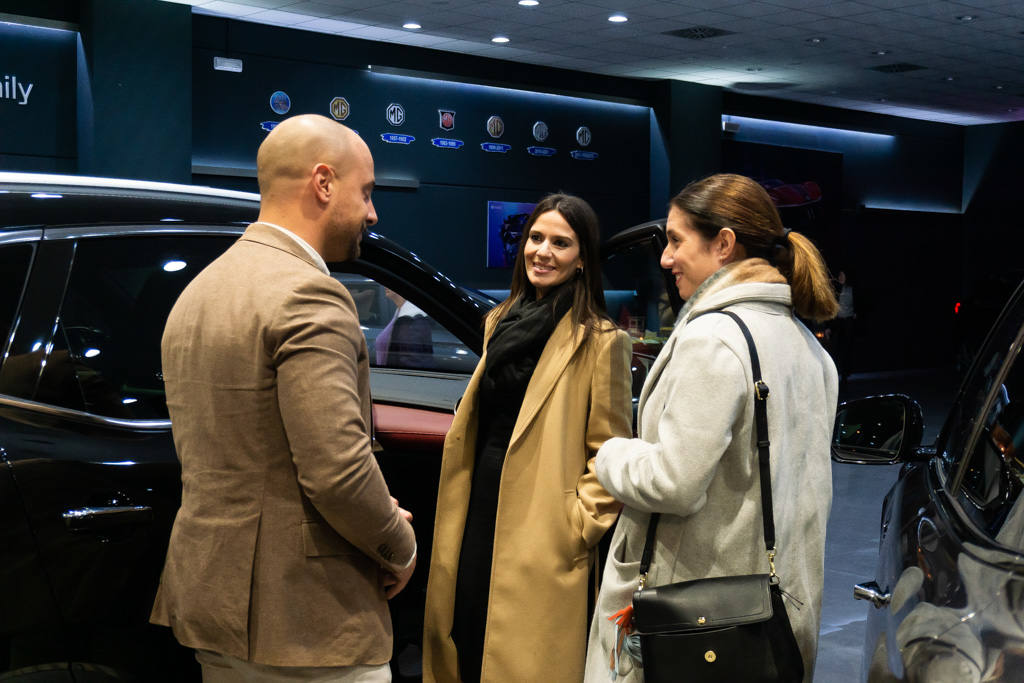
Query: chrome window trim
[83, 417]
[17, 236]
[85, 232]
[38, 181]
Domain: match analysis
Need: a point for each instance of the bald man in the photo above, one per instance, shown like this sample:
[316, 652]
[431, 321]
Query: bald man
[287, 544]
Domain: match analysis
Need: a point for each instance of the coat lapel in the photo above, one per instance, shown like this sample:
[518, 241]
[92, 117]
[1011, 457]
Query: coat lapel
[552, 363]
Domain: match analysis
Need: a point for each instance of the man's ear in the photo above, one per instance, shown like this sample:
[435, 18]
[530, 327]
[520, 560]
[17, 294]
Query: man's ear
[322, 178]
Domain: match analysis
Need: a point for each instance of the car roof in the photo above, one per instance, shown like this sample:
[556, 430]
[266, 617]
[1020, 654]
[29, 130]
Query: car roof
[32, 200]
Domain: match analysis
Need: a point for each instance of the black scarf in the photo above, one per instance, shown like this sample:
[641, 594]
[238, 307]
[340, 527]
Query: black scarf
[518, 339]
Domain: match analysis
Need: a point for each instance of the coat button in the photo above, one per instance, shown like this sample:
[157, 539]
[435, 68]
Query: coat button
[710, 656]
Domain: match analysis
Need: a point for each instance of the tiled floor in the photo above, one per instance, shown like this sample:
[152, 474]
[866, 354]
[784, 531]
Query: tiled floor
[851, 543]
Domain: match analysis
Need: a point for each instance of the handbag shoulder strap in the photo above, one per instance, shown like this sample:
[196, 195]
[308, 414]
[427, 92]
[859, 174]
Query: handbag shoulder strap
[763, 454]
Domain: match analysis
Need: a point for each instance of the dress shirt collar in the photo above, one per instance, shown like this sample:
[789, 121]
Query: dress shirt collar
[318, 260]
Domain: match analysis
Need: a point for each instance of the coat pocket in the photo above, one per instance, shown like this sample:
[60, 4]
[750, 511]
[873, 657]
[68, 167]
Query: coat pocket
[320, 540]
[574, 514]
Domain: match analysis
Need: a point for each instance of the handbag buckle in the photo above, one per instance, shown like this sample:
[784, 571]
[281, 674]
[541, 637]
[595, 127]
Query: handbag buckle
[771, 565]
[643, 581]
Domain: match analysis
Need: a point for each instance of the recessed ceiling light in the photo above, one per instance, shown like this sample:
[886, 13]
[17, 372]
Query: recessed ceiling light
[411, 25]
[1012, 109]
[1000, 87]
[618, 18]
[949, 78]
[754, 68]
[966, 17]
[880, 53]
[529, 3]
[499, 39]
[882, 99]
[816, 40]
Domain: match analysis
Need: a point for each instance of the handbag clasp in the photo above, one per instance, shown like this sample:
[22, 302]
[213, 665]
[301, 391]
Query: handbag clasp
[771, 565]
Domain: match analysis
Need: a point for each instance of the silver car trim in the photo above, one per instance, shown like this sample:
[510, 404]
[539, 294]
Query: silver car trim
[83, 417]
[122, 230]
[37, 181]
[15, 236]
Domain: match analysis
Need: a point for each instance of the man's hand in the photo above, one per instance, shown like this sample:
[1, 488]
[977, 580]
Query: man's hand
[406, 515]
[394, 583]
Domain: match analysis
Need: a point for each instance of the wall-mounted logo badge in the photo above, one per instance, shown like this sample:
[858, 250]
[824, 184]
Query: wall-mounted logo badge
[495, 127]
[447, 119]
[583, 136]
[280, 103]
[583, 155]
[542, 151]
[540, 131]
[339, 108]
[396, 114]
[269, 125]
[397, 138]
[495, 147]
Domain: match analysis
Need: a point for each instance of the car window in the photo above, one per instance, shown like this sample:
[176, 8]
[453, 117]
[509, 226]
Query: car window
[105, 356]
[636, 298]
[14, 262]
[994, 470]
[970, 406]
[400, 335]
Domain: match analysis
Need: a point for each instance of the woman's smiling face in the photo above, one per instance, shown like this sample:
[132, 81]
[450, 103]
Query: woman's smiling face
[551, 253]
[688, 254]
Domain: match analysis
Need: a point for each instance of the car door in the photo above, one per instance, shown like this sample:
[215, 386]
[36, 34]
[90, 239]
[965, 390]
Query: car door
[87, 439]
[419, 370]
[639, 295]
[950, 598]
[32, 637]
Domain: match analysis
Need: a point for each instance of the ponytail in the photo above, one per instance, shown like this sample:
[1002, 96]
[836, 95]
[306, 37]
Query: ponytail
[809, 283]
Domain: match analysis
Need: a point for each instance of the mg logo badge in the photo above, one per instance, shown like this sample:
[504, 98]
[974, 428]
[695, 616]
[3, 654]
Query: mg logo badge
[396, 114]
[540, 131]
[495, 127]
[583, 136]
[339, 108]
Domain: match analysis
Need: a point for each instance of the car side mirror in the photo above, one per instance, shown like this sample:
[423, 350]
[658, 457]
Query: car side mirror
[878, 430]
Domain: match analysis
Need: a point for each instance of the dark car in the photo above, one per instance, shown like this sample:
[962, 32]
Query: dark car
[89, 269]
[948, 593]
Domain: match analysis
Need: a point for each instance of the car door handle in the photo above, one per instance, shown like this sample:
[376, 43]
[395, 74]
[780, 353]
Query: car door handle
[870, 591]
[106, 517]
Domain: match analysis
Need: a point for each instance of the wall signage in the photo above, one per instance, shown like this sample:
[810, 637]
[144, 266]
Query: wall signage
[495, 147]
[446, 143]
[339, 108]
[495, 127]
[583, 155]
[447, 119]
[269, 125]
[540, 131]
[542, 151]
[13, 89]
[280, 103]
[397, 138]
[583, 136]
[395, 114]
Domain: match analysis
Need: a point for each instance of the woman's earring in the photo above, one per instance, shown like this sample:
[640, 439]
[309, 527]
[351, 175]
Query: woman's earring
[579, 271]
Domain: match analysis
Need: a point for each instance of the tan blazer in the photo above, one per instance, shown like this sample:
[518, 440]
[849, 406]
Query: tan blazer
[551, 513]
[285, 518]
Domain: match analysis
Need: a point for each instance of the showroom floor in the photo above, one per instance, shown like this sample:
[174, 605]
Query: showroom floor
[851, 544]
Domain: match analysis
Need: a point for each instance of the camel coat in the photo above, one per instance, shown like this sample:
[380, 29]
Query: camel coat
[695, 460]
[285, 521]
[551, 513]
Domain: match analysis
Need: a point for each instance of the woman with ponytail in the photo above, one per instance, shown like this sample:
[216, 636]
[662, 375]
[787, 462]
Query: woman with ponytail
[519, 509]
[695, 460]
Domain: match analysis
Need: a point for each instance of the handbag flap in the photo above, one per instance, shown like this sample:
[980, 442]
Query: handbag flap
[703, 604]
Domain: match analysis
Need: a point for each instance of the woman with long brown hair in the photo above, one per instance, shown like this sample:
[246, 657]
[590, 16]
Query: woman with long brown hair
[695, 461]
[519, 509]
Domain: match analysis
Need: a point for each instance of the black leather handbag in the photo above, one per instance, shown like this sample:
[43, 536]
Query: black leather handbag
[730, 628]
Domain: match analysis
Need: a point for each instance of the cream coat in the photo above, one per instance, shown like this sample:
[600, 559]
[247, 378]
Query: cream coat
[285, 519]
[695, 460]
[551, 513]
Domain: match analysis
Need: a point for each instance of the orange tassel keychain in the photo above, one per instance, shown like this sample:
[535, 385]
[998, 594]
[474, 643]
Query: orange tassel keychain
[623, 627]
